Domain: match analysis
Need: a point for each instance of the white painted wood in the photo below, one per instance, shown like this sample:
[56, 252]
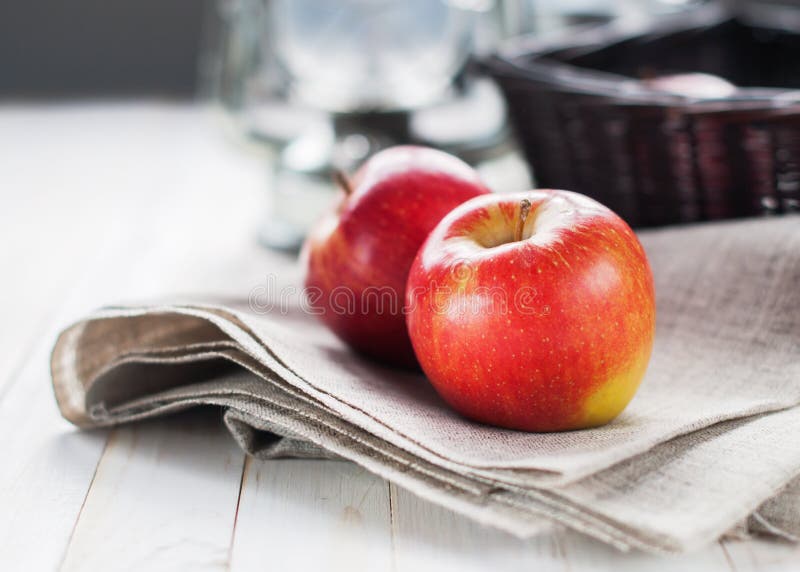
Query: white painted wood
[49, 465]
[312, 515]
[145, 158]
[46, 470]
[163, 498]
[763, 555]
[49, 222]
[430, 538]
[110, 202]
[586, 554]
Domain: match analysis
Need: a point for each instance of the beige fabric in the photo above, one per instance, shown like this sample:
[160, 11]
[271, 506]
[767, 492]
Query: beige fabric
[694, 454]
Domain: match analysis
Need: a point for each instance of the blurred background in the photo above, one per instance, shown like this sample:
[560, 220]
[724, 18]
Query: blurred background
[82, 48]
[304, 87]
[85, 48]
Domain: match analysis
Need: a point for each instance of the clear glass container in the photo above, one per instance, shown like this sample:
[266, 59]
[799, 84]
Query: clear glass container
[318, 85]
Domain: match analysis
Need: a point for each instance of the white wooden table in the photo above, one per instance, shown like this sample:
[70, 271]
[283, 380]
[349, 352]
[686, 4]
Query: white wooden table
[103, 202]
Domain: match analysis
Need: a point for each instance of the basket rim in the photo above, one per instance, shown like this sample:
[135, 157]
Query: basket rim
[527, 59]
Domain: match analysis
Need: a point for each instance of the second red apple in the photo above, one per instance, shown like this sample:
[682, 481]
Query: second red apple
[359, 255]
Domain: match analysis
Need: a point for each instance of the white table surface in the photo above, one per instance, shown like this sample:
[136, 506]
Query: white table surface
[103, 202]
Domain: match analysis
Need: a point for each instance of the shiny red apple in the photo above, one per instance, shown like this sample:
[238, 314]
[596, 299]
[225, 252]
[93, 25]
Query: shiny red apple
[533, 311]
[358, 256]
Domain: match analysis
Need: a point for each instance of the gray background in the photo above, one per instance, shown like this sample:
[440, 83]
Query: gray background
[100, 47]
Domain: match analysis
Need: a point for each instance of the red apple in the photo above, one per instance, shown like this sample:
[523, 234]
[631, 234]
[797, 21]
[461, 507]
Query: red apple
[533, 311]
[359, 255]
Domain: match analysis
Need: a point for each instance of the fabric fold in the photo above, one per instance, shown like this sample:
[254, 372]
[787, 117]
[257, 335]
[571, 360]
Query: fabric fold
[706, 443]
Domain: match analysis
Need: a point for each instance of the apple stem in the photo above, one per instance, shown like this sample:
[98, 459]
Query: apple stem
[343, 181]
[524, 210]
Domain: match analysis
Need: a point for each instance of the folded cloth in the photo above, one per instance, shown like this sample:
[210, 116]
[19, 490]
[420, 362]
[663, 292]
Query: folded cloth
[706, 442]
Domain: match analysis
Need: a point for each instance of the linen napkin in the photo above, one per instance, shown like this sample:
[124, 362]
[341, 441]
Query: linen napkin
[707, 441]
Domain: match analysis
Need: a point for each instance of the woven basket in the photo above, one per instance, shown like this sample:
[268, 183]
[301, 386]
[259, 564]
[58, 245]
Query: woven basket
[588, 122]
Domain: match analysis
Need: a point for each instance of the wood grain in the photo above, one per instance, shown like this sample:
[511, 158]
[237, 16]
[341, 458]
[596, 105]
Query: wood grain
[114, 202]
[431, 538]
[163, 498]
[762, 555]
[312, 515]
[584, 553]
[146, 177]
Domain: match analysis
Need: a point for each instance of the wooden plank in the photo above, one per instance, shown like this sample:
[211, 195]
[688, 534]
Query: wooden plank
[312, 515]
[43, 486]
[586, 554]
[145, 158]
[163, 498]
[46, 471]
[110, 205]
[762, 555]
[50, 222]
[190, 231]
[428, 537]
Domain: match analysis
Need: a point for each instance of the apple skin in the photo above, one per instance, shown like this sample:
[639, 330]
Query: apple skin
[549, 333]
[357, 258]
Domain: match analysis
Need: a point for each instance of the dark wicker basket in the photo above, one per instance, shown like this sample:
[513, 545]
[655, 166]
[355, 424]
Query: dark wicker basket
[586, 123]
